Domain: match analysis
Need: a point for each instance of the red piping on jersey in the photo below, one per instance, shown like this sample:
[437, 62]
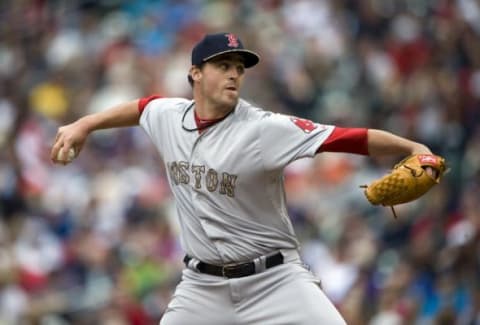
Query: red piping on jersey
[349, 140]
[142, 102]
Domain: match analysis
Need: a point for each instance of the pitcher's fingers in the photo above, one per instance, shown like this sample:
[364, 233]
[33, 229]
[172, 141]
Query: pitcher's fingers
[432, 172]
[55, 150]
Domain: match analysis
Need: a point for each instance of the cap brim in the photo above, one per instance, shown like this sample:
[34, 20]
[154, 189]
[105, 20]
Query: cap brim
[251, 58]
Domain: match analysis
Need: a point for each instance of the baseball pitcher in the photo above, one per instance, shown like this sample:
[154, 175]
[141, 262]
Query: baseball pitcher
[225, 160]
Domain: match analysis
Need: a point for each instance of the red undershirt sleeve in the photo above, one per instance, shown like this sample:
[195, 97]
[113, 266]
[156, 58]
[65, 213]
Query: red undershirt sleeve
[348, 140]
[142, 102]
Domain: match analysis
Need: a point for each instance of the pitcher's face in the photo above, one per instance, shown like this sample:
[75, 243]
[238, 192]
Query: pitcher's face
[221, 78]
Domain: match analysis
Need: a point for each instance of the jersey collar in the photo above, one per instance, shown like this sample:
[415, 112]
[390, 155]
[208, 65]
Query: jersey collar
[200, 125]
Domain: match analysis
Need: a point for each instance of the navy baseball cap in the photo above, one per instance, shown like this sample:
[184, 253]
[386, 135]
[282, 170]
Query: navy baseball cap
[213, 45]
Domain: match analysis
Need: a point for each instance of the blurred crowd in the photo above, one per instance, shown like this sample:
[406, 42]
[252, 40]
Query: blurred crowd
[95, 242]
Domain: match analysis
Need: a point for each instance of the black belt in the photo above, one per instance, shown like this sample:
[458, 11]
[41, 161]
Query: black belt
[235, 270]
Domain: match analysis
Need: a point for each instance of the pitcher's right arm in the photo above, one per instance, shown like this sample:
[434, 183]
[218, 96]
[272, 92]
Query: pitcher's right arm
[74, 135]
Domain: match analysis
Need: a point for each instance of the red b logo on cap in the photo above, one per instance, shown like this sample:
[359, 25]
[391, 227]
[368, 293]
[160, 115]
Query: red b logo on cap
[232, 40]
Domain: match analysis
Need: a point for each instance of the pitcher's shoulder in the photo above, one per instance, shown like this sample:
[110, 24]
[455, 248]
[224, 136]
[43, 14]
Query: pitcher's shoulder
[249, 111]
[176, 103]
[168, 104]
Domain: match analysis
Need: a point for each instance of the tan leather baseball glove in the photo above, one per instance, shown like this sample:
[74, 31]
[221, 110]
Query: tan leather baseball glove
[407, 181]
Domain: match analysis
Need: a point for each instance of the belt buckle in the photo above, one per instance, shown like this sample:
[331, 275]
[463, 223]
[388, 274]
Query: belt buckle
[227, 267]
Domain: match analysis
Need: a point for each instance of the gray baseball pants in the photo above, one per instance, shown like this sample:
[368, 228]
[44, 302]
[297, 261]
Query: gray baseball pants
[284, 294]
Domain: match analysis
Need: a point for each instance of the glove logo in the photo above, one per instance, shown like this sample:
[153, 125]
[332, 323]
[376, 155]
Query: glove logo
[427, 159]
[307, 126]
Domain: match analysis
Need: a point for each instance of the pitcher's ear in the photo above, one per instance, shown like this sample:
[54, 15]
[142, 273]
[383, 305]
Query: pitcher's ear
[194, 73]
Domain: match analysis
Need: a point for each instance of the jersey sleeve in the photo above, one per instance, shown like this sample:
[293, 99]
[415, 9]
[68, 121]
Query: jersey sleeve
[349, 140]
[143, 102]
[152, 121]
[287, 138]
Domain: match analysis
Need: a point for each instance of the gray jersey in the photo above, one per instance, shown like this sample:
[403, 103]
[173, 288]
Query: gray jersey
[228, 179]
